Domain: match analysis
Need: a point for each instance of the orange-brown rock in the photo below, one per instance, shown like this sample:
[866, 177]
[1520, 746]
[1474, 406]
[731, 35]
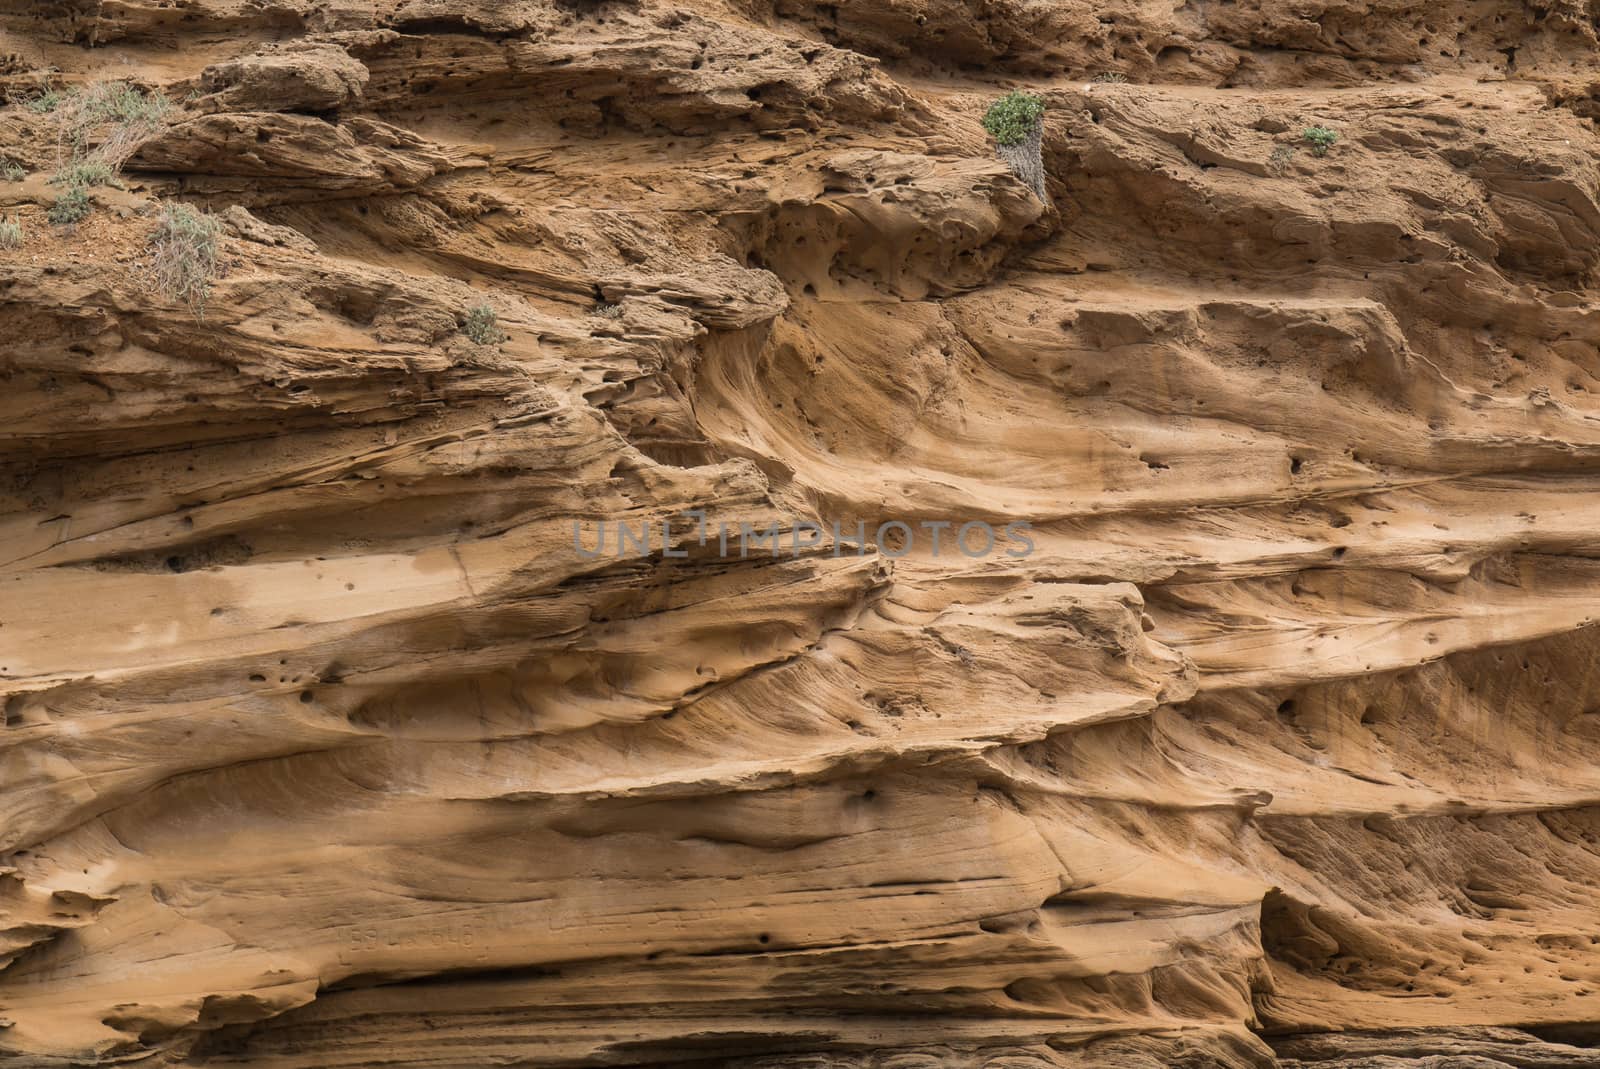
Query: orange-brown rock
[332, 741]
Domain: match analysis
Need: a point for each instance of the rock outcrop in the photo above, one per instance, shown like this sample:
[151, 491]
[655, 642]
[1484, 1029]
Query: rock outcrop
[379, 691]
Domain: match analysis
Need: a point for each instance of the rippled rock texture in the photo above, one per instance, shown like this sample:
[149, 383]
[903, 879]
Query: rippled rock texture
[326, 747]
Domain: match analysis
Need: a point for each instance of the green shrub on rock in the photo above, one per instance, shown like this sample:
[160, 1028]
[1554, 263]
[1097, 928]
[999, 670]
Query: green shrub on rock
[1013, 117]
[71, 207]
[1015, 121]
[1321, 138]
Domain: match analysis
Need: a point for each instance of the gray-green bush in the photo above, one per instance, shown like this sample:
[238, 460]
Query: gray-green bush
[86, 174]
[43, 102]
[71, 207]
[183, 255]
[483, 326]
[113, 117]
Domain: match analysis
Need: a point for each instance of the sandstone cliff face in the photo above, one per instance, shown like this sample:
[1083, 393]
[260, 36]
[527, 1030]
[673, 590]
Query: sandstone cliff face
[326, 746]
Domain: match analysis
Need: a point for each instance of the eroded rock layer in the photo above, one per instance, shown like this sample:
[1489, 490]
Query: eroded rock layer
[325, 746]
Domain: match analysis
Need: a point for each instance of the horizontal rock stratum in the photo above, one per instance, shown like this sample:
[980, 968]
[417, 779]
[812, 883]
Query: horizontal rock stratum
[331, 741]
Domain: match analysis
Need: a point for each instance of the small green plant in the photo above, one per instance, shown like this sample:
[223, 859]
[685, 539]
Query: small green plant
[483, 326]
[608, 311]
[1278, 162]
[10, 234]
[184, 255]
[14, 172]
[44, 101]
[1321, 138]
[1014, 117]
[1110, 78]
[71, 207]
[86, 174]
